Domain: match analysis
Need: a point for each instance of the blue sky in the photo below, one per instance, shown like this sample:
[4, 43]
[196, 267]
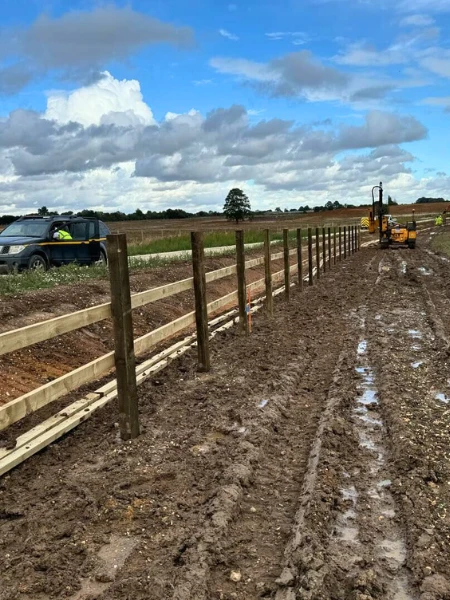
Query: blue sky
[158, 104]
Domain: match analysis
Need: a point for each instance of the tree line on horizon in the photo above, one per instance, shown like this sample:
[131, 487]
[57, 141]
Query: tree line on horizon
[236, 208]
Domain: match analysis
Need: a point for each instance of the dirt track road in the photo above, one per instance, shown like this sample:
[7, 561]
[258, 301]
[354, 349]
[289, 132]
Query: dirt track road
[311, 463]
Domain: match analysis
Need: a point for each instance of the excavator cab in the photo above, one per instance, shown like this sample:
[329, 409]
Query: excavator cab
[392, 234]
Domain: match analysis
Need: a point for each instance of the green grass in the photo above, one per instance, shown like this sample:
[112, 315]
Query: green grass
[211, 240]
[26, 281]
[441, 243]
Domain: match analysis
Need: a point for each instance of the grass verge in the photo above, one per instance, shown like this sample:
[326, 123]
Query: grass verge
[211, 240]
[440, 243]
[27, 281]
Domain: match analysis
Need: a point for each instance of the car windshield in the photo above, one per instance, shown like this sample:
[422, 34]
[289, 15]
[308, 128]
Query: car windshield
[26, 229]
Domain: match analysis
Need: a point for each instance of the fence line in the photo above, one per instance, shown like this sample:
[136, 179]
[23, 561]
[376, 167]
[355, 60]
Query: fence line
[63, 421]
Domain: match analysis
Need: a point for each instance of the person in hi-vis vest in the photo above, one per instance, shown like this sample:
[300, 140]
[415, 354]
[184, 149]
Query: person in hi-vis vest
[61, 234]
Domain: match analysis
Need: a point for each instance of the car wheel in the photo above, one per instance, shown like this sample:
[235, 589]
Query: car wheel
[102, 260]
[37, 263]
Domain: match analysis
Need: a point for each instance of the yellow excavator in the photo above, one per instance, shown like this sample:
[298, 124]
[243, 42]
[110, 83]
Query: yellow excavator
[392, 234]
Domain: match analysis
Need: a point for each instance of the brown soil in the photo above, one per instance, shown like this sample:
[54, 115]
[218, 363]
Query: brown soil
[311, 463]
[26, 370]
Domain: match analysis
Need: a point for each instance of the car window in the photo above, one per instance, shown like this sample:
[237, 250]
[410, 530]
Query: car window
[26, 229]
[78, 231]
[104, 231]
[91, 230]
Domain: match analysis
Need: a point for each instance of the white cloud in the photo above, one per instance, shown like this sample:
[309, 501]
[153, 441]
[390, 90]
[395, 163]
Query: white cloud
[437, 60]
[438, 101]
[424, 6]
[243, 67]
[77, 45]
[226, 34]
[299, 38]
[107, 101]
[417, 21]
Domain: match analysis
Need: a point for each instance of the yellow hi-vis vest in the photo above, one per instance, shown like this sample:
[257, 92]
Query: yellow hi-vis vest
[64, 235]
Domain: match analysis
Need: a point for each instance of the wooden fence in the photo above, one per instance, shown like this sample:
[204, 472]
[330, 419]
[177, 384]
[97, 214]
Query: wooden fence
[331, 246]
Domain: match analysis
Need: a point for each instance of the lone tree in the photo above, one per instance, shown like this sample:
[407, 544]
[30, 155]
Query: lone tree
[237, 205]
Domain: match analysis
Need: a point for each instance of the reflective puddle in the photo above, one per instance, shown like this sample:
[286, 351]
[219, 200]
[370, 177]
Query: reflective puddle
[416, 365]
[388, 541]
[442, 398]
[415, 333]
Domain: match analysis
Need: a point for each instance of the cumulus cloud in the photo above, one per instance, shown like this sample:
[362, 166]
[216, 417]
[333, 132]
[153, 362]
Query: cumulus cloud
[14, 77]
[108, 101]
[79, 44]
[222, 146]
[117, 149]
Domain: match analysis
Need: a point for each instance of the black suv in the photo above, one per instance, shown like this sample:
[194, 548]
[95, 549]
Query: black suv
[28, 243]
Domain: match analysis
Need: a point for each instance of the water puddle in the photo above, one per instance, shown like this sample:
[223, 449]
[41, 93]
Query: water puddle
[346, 528]
[425, 271]
[442, 398]
[263, 403]
[387, 541]
[362, 347]
[403, 267]
[369, 396]
[415, 334]
[417, 364]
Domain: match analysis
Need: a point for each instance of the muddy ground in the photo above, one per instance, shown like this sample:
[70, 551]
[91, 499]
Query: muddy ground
[312, 462]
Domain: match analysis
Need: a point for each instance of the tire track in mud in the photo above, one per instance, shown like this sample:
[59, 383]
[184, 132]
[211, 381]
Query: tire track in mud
[409, 330]
[347, 542]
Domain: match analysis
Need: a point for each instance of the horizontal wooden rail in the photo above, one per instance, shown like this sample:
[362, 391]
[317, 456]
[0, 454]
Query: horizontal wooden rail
[13, 411]
[10, 341]
[18, 408]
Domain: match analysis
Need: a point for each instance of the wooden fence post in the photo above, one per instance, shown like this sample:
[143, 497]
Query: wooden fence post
[353, 239]
[345, 242]
[310, 257]
[350, 241]
[318, 253]
[242, 288]
[201, 311]
[287, 279]
[299, 259]
[324, 249]
[334, 245]
[340, 243]
[359, 237]
[329, 247]
[123, 336]
[268, 271]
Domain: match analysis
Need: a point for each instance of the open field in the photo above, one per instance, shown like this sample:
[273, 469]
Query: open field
[146, 231]
[310, 463]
